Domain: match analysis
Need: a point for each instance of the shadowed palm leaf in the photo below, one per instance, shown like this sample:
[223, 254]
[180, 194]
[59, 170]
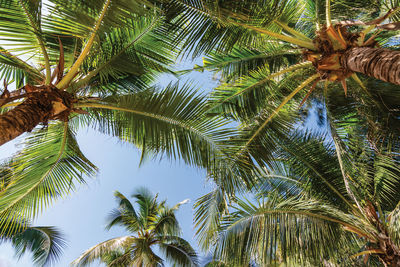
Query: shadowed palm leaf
[336, 214]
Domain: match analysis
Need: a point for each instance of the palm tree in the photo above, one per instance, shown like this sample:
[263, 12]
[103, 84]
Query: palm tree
[151, 224]
[91, 64]
[323, 204]
[308, 25]
[267, 52]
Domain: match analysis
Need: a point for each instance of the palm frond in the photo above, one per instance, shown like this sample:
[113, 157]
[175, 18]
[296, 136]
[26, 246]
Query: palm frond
[172, 122]
[166, 222]
[116, 258]
[178, 251]
[77, 17]
[143, 255]
[148, 206]
[241, 61]
[311, 159]
[125, 215]
[14, 69]
[209, 210]
[216, 26]
[300, 229]
[97, 251]
[386, 181]
[47, 168]
[249, 95]
[394, 224]
[45, 243]
[21, 25]
[142, 47]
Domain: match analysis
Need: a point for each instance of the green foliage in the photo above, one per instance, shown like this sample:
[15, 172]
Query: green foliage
[173, 122]
[312, 206]
[109, 53]
[48, 167]
[151, 223]
[44, 242]
[212, 24]
[240, 61]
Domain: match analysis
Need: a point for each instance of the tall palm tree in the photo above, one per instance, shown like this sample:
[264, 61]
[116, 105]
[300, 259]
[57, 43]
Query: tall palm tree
[151, 224]
[268, 52]
[323, 204]
[74, 64]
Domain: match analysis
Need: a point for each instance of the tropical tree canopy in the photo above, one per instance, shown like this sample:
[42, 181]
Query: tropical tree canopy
[94, 63]
[78, 64]
[321, 204]
[272, 56]
[151, 223]
[266, 53]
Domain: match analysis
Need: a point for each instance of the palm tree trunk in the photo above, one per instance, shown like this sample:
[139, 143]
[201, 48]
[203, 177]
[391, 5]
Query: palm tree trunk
[40, 106]
[380, 63]
[23, 118]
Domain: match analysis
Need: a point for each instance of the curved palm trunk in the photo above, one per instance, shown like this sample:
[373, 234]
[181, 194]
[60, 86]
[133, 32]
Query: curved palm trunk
[23, 118]
[380, 63]
[38, 107]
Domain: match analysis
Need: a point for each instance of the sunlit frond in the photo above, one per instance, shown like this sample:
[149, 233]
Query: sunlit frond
[300, 229]
[174, 123]
[215, 26]
[97, 251]
[48, 167]
[241, 61]
[209, 210]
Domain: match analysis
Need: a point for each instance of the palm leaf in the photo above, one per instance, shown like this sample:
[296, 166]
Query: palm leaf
[250, 94]
[13, 69]
[143, 255]
[172, 122]
[293, 228]
[97, 251]
[125, 215]
[241, 61]
[46, 169]
[166, 222]
[216, 26]
[45, 243]
[142, 47]
[178, 251]
[21, 24]
[209, 210]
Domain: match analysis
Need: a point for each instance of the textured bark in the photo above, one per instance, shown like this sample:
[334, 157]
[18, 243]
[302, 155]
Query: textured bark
[391, 253]
[380, 63]
[39, 107]
[23, 118]
[390, 260]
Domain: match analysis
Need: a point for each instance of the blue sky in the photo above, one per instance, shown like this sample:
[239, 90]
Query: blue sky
[81, 215]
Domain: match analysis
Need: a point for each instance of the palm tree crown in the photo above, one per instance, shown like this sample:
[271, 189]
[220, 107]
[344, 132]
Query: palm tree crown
[151, 224]
[272, 55]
